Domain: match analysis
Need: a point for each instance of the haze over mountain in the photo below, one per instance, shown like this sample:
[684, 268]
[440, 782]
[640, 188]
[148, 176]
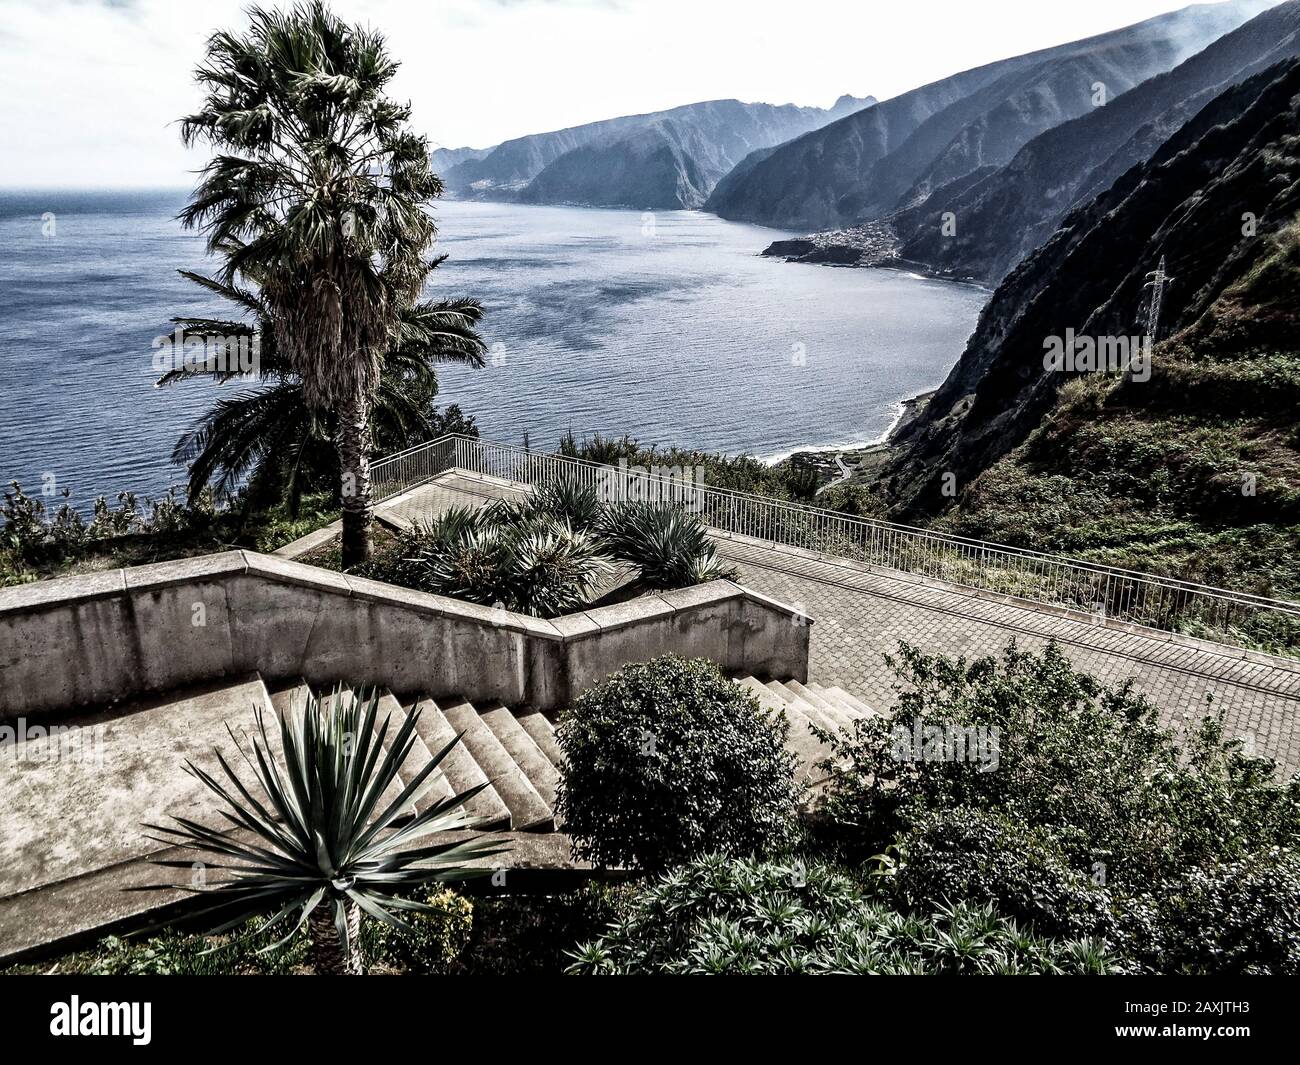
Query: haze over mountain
[1010, 211]
[885, 157]
[666, 159]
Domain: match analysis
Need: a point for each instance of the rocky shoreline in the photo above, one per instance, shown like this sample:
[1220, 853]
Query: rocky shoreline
[857, 465]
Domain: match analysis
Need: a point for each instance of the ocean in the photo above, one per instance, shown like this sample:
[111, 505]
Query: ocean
[667, 326]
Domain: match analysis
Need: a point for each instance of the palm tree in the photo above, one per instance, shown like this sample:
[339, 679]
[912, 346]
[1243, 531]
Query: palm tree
[319, 190]
[328, 840]
[268, 439]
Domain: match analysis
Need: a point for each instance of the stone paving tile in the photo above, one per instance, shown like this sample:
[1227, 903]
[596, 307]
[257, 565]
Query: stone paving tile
[859, 618]
[862, 614]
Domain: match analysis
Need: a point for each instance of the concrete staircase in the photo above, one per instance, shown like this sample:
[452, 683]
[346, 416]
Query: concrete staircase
[804, 706]
[70, 831]
[513, 753]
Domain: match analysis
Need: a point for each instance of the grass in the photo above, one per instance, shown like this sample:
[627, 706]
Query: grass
[1179, 477]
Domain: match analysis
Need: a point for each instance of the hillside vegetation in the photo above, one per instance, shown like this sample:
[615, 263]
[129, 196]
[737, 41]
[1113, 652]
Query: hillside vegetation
[1194, 472]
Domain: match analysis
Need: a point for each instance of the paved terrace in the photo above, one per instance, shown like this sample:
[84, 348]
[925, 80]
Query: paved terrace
[862, 613]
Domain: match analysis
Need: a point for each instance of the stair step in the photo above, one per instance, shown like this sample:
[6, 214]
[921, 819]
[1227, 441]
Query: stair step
[539, 727]
[806, 747]
[813, 711]
[291, 697]
[527, 755]
[851, 700]
[845, 713]
[528, 810]
[831, 709]
[462, 771]
[828, 696]
[435, 787]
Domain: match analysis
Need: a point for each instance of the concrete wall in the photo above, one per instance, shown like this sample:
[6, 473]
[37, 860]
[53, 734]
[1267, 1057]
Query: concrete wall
[101, 638]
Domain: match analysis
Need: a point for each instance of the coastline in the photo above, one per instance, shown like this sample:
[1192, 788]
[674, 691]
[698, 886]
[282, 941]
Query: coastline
[856, 463]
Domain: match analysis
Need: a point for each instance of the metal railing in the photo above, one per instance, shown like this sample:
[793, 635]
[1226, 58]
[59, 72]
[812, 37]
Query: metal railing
[1106, 592]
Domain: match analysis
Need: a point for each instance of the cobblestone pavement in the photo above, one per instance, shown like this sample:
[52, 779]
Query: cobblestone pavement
[861, 614]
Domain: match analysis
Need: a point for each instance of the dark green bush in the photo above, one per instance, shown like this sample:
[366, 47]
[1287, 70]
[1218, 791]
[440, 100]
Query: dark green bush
[517, 935]
[984, 858]
[1086, 763]
[1238, 918]
[437, 939]
[669, 760]
[738, 916]
[1093, 821]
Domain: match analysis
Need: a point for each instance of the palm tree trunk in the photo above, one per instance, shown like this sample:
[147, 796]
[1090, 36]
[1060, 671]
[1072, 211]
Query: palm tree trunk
[352, 438]
[328, 957]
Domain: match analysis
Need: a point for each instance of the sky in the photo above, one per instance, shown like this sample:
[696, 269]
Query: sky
[90, 90]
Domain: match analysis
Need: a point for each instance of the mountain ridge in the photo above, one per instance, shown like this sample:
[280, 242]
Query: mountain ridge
[856, 168]
[687, 149]
[1213, 201]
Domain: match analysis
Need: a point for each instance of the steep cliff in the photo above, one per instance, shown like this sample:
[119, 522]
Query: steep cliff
[1012, 210]
[1191, 466]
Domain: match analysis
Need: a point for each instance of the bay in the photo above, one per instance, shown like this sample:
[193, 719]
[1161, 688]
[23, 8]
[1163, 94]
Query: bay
[668, 326]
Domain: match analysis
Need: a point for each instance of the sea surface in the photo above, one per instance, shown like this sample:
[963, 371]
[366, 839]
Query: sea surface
[667, 326]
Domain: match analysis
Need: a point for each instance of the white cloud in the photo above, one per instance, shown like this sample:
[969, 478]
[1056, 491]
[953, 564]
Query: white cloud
[90, 89]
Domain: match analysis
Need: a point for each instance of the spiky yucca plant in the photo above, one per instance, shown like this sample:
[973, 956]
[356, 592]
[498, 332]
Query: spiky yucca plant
[327, 847]
[670, 545]
[553, 567]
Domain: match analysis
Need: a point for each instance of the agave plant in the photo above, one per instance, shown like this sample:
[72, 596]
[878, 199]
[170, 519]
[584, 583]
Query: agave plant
[529, 562]
[327, 844]
[471, 564]
[569, 499]
[670, 545]
[561, 498]
[553, 568]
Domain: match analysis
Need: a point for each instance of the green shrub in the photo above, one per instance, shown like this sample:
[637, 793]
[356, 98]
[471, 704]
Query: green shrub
[668, 760]
[534, 934]
[1088, 764]
[984, 858]
[738, 916]
[437, 939]
[671, 547]
[1237, 918]
[178, 953]
[1093, 821]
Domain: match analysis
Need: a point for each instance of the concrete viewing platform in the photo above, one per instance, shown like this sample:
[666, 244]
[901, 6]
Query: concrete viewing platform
[120, 659]
[862, 612]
